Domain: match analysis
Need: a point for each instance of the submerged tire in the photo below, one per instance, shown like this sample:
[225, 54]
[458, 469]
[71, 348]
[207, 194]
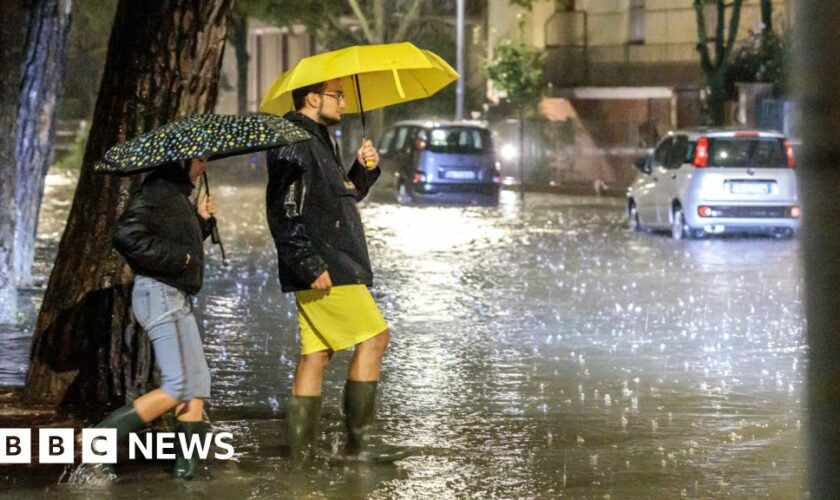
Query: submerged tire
[403, 197]
[678, 228]
[633, 217]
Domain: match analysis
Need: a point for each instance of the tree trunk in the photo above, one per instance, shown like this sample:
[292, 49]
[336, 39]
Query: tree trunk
[42, 84]
[163, 63]
[716, 101]
[239, 26]
[11, 35]
[767, 15]
[816, 57]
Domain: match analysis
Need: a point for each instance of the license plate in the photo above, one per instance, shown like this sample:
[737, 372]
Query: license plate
[460, 174]
[749, 187]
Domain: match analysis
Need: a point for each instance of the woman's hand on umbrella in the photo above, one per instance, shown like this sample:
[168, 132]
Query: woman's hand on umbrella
[367, 154]
[206, 207]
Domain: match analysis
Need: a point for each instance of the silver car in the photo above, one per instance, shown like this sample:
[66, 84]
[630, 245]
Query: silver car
[699, 182]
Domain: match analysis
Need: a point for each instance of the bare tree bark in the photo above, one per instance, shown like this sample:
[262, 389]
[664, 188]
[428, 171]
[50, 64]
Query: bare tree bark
[42, 84]
[11, 33]
[817, 55]
[408, 20]
[163, 63]
[363, 21]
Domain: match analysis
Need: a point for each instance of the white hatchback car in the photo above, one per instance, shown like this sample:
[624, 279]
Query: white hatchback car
[710, 181]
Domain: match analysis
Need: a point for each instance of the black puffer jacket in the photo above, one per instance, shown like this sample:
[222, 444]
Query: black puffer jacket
[312, 213]
[159, 227]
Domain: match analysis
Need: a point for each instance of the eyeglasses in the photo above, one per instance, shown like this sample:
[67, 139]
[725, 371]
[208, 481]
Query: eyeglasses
[338, 96]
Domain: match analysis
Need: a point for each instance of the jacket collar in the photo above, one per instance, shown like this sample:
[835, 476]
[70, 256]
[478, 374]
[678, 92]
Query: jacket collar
[316, 129]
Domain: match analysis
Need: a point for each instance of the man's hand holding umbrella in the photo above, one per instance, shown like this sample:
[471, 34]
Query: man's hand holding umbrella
[367, 154]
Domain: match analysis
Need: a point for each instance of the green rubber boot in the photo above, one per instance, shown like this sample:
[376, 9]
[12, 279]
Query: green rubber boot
[125, 420]
[359, 411]
[303, 415]
[187, 468]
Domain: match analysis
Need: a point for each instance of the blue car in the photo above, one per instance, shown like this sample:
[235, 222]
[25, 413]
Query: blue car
[439, 162]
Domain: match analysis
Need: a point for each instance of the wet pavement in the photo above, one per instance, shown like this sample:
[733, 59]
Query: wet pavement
[539, 350]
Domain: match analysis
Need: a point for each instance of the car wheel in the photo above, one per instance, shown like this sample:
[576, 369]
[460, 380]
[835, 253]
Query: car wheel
[698, 234]
[678, 229]
[403, 197]
[633, 217]
[782, 234]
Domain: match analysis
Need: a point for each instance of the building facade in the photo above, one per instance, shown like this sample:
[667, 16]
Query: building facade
[624, 72]
[621, 42]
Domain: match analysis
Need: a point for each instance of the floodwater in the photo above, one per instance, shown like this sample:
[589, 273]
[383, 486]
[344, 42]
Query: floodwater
[539, 351]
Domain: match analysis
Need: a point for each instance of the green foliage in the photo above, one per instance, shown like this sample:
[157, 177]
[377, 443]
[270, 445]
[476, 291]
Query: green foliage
[517, 70]
[287, 12]
[761, 59]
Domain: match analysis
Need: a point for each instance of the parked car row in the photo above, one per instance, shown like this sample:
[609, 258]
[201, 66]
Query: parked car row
[696, 182]
[699, 182]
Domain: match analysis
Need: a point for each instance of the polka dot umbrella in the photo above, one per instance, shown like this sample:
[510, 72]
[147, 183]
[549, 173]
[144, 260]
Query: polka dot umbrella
[199, 136]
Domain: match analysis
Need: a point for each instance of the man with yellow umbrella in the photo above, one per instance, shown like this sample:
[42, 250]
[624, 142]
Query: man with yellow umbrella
[317, 229]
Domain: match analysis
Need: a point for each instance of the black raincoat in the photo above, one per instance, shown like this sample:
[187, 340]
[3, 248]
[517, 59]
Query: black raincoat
[312, 213]
[159, 227]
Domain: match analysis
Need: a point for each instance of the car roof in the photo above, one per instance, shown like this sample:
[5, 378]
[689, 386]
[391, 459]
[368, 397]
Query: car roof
[697, 132]
[439, 123]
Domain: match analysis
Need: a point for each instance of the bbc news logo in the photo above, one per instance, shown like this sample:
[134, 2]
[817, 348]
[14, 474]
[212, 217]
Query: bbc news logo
[99, 446]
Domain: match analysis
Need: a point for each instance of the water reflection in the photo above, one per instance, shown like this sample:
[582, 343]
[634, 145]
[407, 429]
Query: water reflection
[539, 350]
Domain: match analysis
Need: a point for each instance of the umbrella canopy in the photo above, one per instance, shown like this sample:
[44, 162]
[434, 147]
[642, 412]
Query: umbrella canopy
[373, 76]
[199, 136]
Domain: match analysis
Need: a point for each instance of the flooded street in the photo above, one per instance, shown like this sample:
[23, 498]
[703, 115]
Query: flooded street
[539, 350]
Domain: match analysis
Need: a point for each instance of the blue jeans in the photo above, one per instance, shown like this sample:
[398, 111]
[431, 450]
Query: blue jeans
[166, 315]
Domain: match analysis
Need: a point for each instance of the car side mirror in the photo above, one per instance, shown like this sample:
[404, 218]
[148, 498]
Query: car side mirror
[643, 164]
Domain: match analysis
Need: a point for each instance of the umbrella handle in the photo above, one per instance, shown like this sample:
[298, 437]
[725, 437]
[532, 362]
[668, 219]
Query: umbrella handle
[368, 163]
[214, 237]
[214, 232]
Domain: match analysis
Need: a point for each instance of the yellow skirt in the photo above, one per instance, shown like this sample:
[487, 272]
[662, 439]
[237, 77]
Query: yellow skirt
[337, 319]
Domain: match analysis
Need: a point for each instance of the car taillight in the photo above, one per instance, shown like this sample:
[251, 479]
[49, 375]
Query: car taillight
[704, 211]
[419, 144]
[701, 153]
[791, 160]
[419, 177]
[795, 212]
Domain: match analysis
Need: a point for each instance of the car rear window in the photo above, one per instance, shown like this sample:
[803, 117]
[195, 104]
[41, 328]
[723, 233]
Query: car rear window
[457, 140]
[755, 152]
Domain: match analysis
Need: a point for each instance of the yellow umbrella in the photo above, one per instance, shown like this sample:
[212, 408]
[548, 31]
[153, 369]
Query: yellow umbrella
[373, 76]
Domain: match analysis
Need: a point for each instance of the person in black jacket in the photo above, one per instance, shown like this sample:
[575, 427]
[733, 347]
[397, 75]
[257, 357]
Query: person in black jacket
[160, 234]
[323, 258]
